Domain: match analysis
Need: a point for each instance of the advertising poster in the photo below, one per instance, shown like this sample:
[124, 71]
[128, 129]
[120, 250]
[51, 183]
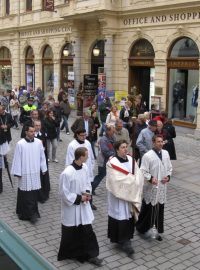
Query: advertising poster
[111, 95]
[90, 88]
[30, 77]
[120, 98]
[71, 91]
[101, 88]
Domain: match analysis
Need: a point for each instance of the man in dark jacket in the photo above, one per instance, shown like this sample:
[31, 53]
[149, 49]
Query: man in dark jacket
[65, 109]
[86, 123]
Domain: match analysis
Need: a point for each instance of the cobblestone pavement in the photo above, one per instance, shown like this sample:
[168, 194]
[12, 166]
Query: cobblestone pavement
[180, 248]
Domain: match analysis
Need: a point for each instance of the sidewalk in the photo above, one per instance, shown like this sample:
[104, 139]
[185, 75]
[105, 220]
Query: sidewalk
[180, 248]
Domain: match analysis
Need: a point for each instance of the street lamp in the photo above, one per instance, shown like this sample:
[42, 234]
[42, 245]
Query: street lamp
[96, 51]
[66, 52]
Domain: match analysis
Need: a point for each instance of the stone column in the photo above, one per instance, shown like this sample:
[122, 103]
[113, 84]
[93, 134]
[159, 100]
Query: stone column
[108, 60]
[160, 80]
[38, 73]
[15, 62]
[23, 71]
[77, 62]
[56, 77]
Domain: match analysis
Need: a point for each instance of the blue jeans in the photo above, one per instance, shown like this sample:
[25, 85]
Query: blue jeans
[99, 177]
[102, 129]
[65, 122]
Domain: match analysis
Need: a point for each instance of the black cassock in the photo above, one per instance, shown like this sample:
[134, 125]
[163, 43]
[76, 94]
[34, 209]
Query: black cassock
[43, 193]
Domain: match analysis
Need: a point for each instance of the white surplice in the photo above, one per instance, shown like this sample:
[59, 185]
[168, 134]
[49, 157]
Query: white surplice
[73, 145]
[152, 165]
[29, 159]
[72, 183]
[118, 182]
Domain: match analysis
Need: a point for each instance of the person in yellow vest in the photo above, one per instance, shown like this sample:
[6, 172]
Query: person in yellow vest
[26, 110]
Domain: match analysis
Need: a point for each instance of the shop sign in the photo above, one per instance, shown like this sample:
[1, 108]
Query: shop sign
[46, 31]
[182, 64]
[164, 18]
[90, 87]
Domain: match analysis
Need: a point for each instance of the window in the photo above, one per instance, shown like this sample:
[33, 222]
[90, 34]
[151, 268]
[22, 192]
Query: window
[28, 5]
[7, 7]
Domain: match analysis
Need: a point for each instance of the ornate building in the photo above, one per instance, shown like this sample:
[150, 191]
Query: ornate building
[149, 45]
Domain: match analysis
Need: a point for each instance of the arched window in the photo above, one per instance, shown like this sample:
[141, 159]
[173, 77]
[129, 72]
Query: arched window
[30, 69]
[5, 69]
[184, 47]
[142, 48]
[48, 70]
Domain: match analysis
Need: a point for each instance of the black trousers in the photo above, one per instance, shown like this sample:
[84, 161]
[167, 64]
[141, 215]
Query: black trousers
[150, 215]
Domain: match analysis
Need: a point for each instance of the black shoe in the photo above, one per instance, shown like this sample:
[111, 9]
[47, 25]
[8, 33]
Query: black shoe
[159, 238]
[96, 261]
[93, 206]
[127, 248]
[93, 193]
[1, 187]
[60, 140]
[33, 219]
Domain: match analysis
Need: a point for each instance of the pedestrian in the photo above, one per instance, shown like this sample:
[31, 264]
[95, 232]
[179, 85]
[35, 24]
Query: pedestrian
[94, 137]
[81, 141]
[50, 126]
[14, 110]
[106, 150]
[84, 122]
[157, 169]
[121, 133]
[144, 140]
[6, 122]
[34, 115]
[104, 110]
[123, 203]
[43, 193]
[65, 110]
[26, 110]
[78, 240]
[28, 160]
[113, 116]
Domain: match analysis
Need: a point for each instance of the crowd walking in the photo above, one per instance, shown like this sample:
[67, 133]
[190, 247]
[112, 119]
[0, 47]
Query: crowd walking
[136, 184]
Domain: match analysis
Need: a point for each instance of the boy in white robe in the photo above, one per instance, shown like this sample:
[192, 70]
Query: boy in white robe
[78, 240]
[157, 169]
[29, 159]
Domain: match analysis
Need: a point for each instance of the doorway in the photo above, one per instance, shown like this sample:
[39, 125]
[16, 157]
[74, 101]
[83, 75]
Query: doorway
[140, 77]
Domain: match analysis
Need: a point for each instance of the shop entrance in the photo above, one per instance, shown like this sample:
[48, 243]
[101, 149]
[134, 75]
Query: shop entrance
[141, 71]
[140, 77]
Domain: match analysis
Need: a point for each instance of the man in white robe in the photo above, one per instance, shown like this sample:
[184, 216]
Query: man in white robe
[81, 141]
[124, 197]
[78, 240]
[157, 169]
[29, 159]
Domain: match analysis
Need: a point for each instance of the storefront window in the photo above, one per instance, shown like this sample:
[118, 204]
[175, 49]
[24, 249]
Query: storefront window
[183, 80]
[97, 61]
[5, 70]
[48, 71]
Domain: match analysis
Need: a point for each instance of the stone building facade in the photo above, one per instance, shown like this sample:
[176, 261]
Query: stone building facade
[149, 47]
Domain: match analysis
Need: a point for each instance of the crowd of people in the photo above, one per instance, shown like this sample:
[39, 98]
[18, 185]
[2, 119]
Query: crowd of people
[133, 156]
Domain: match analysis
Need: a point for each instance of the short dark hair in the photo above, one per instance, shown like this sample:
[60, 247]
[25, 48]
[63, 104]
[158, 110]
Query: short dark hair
[152, 123]
[79, 131]
[80, 152]
[156, 136]
[26, 127]
[117, 144]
